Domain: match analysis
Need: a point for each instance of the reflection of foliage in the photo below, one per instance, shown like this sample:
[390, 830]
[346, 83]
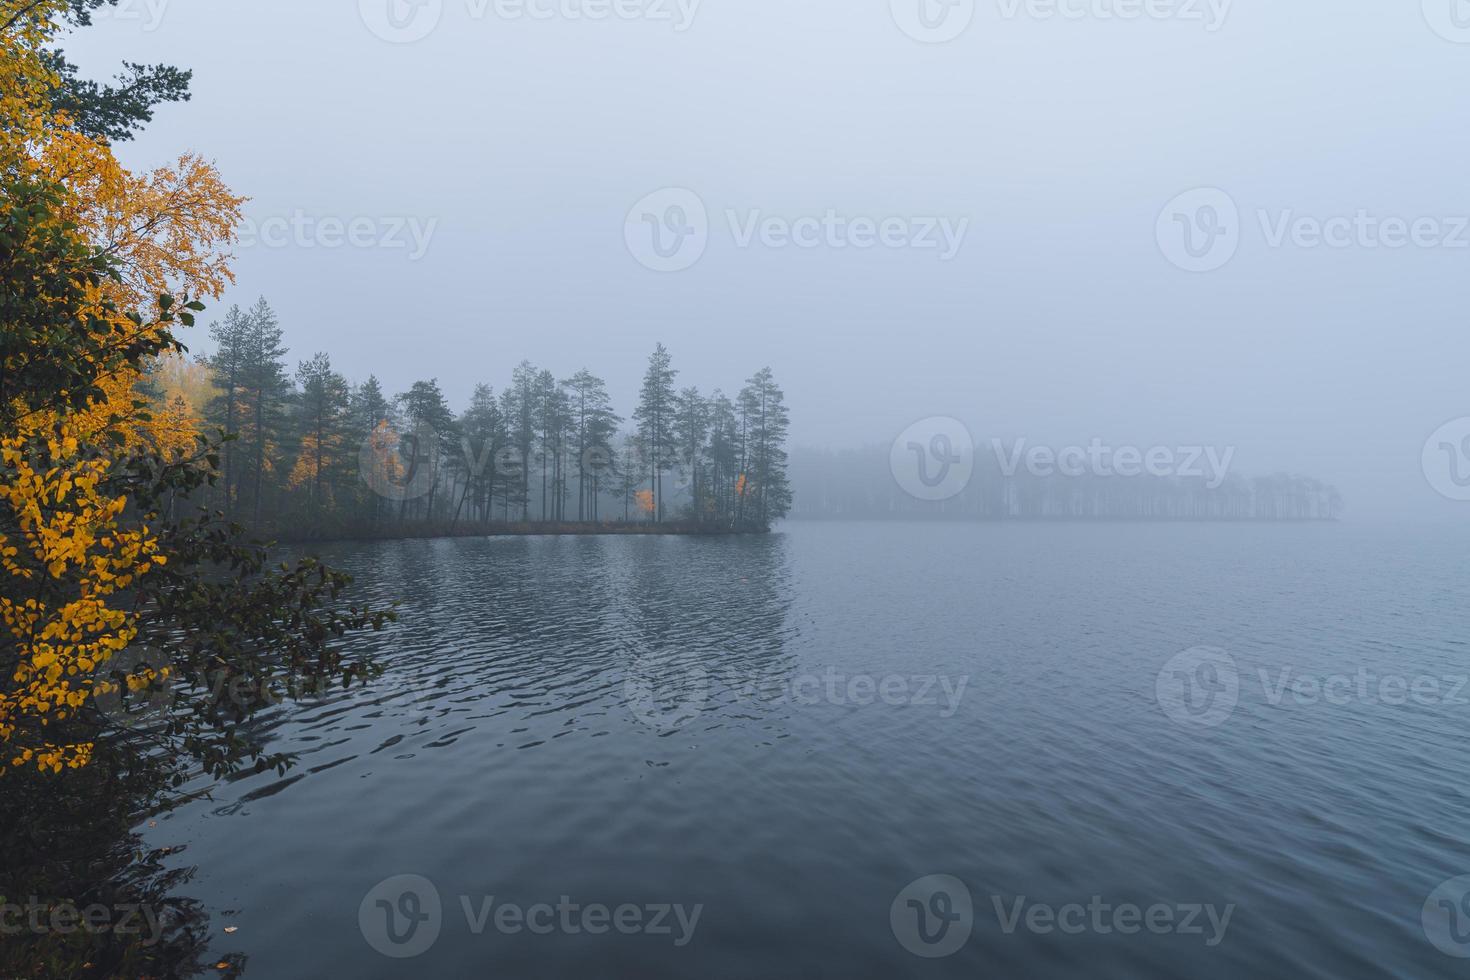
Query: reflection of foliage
[69, 844]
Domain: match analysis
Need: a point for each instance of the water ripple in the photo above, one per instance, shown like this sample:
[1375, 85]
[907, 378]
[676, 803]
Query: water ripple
[649, 719]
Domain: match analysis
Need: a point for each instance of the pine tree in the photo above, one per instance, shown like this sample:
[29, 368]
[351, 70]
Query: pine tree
[691, 428]
[595, 446]
[593, 424]
[629, 473]
[550, 422]
[323, 428]
[654, 416]
[724, 455]
[518, 405]
[228, 367]
[559, 411]
[765, 406]
[267, 388]
[481, 431]
[430, 427]
[368, 409]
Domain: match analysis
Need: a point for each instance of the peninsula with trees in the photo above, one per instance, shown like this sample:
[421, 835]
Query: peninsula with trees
[307, 454]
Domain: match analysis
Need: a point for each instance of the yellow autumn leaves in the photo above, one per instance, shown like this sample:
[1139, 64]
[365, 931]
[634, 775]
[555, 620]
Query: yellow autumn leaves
[70, 549]
[70, 536]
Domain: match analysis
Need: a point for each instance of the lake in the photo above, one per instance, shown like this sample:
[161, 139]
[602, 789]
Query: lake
[852, 750]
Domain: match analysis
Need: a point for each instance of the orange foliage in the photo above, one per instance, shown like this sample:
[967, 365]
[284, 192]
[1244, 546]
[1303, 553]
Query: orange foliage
[74, 552]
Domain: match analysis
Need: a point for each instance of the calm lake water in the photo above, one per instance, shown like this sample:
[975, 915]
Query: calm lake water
[1108, 737]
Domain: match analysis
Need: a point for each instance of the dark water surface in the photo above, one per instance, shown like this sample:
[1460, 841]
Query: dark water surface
[774, 730]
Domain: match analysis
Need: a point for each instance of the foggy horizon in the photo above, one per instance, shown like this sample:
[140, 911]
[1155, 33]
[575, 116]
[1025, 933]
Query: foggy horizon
[1059, 140]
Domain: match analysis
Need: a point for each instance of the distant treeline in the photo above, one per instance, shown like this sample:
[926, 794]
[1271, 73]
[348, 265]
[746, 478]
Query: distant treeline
[310, 454]
[860, 484]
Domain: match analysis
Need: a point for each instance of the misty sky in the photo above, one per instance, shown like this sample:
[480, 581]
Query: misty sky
[524, 142]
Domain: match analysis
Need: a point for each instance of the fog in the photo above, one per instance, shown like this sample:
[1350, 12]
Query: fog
[495, 176]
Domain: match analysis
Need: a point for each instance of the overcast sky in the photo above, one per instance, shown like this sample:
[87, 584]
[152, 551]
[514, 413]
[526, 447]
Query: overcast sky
[1035, 283]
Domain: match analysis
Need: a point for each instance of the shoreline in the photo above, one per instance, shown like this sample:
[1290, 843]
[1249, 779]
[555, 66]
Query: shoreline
[514, 529]
[528, 529]
[1050, 519]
